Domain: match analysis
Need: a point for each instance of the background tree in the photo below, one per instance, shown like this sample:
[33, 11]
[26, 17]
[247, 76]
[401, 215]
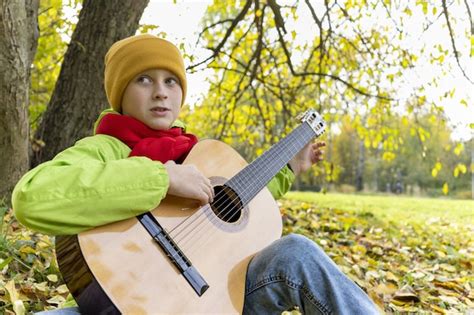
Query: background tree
[351, 64]
[18, 37]
[79, 96]
[56, 29]
[347, 66]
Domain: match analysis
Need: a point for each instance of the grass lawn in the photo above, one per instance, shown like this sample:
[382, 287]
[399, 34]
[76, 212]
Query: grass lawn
[392, 207]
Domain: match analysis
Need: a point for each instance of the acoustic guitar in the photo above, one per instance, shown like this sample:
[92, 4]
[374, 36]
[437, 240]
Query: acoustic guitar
[181, 258]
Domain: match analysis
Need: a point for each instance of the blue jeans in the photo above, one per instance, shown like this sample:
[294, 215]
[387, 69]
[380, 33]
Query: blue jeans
[294, 271]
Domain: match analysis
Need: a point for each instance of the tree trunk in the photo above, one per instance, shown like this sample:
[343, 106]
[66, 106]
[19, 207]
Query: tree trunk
[79, 95]
[18, 42]
[360, 167]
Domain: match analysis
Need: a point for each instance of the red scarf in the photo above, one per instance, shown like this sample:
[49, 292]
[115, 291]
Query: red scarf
[158, 145]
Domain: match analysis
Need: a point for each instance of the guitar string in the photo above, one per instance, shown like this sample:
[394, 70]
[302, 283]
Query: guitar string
[191, 250]
[220, 222]
[221, 217]
[216, 200]
[225, 212]
[298, 140]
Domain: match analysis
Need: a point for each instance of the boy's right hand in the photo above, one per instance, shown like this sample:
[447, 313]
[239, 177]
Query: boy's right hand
[188, 182]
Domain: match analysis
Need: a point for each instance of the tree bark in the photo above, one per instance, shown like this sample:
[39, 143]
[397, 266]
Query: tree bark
[18, 42]
[360, 167]
[79, 95]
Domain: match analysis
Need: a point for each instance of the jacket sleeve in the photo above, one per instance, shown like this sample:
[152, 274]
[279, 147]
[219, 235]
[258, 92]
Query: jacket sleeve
[88, 185]
[281, 183]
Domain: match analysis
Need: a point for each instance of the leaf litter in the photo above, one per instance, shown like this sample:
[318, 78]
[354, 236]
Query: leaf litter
[403, 267]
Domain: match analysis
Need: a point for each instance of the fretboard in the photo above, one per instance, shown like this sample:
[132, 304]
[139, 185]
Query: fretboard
[255, 176]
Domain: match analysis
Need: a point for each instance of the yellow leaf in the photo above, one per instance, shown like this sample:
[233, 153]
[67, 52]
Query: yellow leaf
[388, 156]
[18, 306]
[27, 250]
[375, 143]
[460, 168]
[425, 7]
[422, 100]
[367, 143]
[41, 286]
[52, 278]
[422, 137]
[62, 289]
[440, 254]
[405, 120]
[359, 249]
[390, 276]
[434, 172]
[403, 268]
[445, 188]
[459, 148]
[406, 294]
[449, 299]
[418, 275]
[472, 45]
[58, 300]
[451, 285]
[438, 309]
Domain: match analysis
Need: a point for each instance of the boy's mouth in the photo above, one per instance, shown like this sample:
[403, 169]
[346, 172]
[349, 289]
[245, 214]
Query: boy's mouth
[159, 109]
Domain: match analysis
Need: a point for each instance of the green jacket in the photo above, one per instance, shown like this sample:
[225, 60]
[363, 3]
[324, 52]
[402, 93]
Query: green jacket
[95, 183]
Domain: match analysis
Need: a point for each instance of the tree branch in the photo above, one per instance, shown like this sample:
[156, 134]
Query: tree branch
[336, 78]
[279, 22]
[470, 16]
[211, 26]
[229, 31]
[453, 43]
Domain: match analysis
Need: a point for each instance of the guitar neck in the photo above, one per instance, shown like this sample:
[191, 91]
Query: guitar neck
[255, 176]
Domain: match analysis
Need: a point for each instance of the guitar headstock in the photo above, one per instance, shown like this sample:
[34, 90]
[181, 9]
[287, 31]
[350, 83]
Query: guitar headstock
[314, 119]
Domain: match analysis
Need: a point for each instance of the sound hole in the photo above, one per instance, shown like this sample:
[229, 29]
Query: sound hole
[226, 205]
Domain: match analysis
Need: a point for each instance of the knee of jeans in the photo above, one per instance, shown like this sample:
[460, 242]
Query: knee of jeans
[301, 247]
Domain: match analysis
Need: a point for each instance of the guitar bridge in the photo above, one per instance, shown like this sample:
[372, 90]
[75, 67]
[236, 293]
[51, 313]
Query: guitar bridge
[174, 253]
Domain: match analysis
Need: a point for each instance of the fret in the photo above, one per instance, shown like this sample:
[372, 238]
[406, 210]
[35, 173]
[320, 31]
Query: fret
[255, 176]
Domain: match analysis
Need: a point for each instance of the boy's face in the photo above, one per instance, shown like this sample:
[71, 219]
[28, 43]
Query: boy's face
[153, 97]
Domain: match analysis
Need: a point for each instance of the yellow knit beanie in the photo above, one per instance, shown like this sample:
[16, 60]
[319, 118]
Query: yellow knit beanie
[132, 55]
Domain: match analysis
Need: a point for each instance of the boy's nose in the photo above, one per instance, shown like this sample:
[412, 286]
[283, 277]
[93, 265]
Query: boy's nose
[159, 92]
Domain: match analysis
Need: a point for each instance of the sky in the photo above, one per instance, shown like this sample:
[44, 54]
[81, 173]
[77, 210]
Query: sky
[180, 21]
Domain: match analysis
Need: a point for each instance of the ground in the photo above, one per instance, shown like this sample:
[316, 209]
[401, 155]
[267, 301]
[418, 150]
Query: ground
[408, 254]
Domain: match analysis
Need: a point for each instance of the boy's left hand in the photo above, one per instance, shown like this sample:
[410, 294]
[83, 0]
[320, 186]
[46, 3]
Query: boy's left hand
[311, 154]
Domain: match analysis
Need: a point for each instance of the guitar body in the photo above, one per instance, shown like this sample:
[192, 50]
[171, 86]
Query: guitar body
[122, 262]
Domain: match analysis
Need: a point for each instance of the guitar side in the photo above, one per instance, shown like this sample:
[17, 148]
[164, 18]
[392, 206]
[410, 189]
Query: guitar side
[137, 278]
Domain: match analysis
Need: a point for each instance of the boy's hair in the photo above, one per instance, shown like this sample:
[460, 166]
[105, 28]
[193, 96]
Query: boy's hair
[133, 55]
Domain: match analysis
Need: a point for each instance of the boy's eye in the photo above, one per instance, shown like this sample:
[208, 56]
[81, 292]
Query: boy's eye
[171, 81]
[144, 79]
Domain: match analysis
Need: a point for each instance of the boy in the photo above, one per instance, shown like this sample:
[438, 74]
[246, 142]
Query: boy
[133, 162]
